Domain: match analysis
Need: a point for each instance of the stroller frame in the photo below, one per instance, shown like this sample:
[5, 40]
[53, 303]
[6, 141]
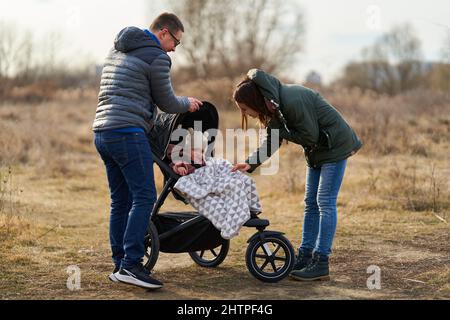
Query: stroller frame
[269, 255]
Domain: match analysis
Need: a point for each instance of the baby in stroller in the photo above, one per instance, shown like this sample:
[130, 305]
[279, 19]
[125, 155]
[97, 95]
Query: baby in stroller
[269, 255]
[224, 197]
[189, 157]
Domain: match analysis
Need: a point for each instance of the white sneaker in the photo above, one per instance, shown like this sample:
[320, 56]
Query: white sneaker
[112, 276]
[138, 276]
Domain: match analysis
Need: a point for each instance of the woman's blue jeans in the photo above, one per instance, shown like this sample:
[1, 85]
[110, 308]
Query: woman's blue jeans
[129, 167]
[322, 188]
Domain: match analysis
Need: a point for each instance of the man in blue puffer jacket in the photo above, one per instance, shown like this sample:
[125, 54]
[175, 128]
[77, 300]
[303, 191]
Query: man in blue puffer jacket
[135, 80]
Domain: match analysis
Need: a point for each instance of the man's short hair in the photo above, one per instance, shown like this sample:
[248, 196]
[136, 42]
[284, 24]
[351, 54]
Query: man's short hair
[167, 20]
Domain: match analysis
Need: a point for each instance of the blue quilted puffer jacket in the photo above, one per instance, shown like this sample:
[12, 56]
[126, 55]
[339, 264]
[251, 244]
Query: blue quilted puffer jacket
[135, 80]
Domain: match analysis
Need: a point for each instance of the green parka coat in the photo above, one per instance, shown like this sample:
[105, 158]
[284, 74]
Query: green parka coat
[313, 123]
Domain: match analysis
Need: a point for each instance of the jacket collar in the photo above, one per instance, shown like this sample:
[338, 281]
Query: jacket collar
[151, 35]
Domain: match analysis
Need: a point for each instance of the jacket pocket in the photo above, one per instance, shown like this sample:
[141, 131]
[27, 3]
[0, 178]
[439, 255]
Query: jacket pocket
[117, 150]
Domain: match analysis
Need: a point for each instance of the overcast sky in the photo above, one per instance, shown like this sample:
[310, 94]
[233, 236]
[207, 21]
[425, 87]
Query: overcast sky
[336, 30]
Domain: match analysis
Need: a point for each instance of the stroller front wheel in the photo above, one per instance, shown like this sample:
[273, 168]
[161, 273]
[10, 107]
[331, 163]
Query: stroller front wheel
[270, 259]
[211, 258]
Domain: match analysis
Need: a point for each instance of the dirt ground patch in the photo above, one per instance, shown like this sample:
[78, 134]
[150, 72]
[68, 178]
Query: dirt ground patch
[64, 222]
[393, 214]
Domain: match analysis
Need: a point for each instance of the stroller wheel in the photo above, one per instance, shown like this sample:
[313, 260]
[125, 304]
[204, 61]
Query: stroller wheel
[151, 242]
[211, 258]
[271, 259]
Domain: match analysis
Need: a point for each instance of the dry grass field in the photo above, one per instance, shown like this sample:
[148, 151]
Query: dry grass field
[393, 210]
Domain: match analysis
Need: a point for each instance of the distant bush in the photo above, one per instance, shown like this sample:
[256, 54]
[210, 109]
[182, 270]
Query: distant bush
[217, 91]
[410, 123]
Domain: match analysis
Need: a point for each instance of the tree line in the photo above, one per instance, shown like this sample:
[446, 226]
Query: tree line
[223, 38]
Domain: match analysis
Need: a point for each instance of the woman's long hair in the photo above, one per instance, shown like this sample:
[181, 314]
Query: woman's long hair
[248, 93]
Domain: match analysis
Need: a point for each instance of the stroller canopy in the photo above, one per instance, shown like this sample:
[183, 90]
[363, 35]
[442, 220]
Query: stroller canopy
[165, 124]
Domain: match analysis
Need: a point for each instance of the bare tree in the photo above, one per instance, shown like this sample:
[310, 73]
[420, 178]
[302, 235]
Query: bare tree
[366, 76]
[50, 47]
[392, 65]
[16, 63]
[12, 46]
[37, 65]
[25, 65]
[440, 74]
[226, 38]
[401, 48]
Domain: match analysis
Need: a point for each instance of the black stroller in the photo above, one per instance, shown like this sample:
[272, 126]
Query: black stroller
[269, 256]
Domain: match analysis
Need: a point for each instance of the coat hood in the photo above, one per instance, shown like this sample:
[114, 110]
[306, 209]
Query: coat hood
[132, 38]
[268, 84]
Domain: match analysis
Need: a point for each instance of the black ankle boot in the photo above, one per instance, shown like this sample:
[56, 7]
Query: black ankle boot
[303, 259]
[317, 269]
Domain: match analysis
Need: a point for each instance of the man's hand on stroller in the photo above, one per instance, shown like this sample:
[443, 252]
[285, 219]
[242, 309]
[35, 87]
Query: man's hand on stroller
[195, 104]
[243, 167]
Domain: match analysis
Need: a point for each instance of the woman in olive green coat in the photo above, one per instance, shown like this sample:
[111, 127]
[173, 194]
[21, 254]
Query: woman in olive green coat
[302, 116]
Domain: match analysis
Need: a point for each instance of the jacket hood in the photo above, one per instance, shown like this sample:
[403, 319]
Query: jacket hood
[268, 84]
[132, 38]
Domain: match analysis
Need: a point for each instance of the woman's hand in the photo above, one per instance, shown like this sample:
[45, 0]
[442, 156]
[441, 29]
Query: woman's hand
[243, 167]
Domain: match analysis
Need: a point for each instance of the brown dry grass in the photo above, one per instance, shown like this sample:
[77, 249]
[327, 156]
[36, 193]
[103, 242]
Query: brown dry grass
[392, 208]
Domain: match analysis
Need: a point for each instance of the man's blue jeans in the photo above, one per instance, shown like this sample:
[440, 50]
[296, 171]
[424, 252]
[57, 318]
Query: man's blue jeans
[322, 188]
[129, 167]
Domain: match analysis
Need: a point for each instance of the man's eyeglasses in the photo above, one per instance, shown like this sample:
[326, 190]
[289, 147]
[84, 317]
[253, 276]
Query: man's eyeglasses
[177, 42]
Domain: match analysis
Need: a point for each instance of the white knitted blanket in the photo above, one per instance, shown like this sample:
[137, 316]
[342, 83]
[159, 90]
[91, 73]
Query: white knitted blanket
[225, 198]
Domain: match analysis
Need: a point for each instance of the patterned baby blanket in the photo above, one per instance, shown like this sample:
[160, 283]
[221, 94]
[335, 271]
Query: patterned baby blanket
[225, 198]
